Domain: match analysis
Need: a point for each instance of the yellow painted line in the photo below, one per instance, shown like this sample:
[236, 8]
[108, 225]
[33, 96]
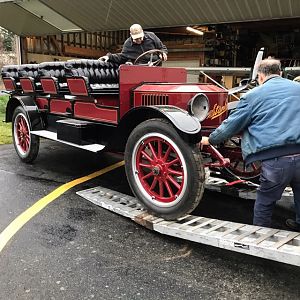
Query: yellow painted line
[28, 214]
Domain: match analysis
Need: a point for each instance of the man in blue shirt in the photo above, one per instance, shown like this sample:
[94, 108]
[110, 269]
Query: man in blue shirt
[268, 117]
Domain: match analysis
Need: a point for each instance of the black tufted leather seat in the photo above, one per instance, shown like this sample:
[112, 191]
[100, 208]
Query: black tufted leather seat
[29, 70]
[17, 71]
[8, 72]
[11, 71]
[53, 69]
[22, 71]
[100, 75]
[96, 71]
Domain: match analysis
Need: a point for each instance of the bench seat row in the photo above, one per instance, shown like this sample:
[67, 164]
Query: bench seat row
[56, 77]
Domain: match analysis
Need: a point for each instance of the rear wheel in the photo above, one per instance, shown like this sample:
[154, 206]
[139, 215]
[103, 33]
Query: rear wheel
[165, 173]
[26, 144]
[238, 167]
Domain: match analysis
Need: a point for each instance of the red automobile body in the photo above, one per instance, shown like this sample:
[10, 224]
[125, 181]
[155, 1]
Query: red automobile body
[98, 106]
[138, 87]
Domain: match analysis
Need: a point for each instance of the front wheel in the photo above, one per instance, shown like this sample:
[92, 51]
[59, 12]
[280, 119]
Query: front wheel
[165, 173]
[26, 144]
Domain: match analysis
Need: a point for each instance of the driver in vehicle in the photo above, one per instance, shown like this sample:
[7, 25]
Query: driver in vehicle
[139, 42]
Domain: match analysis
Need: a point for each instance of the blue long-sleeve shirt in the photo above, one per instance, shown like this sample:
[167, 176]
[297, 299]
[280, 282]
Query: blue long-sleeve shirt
[268, 118]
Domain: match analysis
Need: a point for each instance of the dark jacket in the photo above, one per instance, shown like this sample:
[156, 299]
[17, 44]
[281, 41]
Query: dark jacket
[268, 118]
[131, 50]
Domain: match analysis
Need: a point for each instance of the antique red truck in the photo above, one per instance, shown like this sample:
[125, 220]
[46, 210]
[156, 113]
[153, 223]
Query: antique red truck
[151, 114]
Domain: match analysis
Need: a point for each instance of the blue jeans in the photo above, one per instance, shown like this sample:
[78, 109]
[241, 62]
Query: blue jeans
[276, 175]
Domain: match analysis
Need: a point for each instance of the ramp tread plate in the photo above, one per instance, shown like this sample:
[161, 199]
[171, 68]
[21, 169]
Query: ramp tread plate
[277, 245]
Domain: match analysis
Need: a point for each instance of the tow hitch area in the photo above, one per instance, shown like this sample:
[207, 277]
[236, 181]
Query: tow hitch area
[242, 189]
[274, 244]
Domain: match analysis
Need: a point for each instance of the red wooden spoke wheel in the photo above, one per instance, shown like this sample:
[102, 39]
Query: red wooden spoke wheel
[22, 133]
[26, 145]
[159, 169]
[238, 166]
[164, 172]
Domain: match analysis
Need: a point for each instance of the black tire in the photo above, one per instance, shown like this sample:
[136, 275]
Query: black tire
[173, 184]
[26, 144]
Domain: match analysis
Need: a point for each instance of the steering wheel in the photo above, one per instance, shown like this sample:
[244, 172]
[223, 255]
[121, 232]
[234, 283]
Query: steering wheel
[150, 63]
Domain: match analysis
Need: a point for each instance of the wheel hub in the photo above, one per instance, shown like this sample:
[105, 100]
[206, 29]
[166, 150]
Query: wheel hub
[160, 169]
[156, 170]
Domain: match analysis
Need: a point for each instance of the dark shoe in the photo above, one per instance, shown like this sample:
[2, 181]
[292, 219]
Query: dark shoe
[292, 225]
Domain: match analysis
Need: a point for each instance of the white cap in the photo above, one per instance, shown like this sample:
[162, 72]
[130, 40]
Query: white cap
[136, 31]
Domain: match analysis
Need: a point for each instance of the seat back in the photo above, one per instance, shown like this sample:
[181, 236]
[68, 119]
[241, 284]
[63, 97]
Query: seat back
[53, 69]
[10, 77]
[29, 70]
[85, 76]
[10, 71]
[29, 77]
[52, 77]
[97, 71]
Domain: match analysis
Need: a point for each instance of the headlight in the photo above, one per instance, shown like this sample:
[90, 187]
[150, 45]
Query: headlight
[199, 106]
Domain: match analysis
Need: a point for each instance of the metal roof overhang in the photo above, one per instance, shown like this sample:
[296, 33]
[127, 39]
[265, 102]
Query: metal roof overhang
[40, 17]
[22, 22]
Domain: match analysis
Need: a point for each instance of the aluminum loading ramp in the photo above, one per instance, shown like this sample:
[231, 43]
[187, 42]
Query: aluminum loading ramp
[274, 244]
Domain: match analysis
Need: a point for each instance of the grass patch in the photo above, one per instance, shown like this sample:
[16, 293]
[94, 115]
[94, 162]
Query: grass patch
[3, 102]
[5, 128]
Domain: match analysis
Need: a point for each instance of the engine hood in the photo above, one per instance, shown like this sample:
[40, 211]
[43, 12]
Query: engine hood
[180, 88]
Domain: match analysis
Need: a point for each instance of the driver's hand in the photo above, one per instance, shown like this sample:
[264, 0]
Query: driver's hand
[164, 56]
[104, 58]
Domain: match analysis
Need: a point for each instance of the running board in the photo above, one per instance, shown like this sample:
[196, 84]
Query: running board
[274, 244]
[53, 136]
